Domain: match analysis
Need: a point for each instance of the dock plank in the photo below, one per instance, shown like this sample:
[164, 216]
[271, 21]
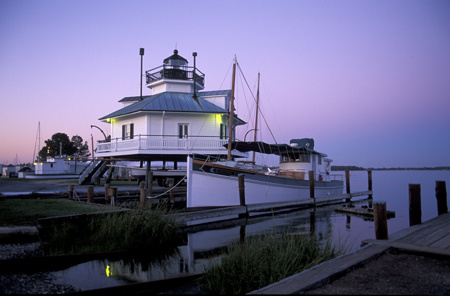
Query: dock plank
[444, 242]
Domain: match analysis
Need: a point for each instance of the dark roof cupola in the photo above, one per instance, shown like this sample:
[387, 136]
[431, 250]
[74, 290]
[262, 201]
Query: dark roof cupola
[175, 75]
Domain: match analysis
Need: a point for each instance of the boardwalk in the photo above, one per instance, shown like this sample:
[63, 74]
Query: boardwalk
[429, 238]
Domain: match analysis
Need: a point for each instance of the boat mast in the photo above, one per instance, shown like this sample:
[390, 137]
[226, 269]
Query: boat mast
[256, 117]
[230, 123]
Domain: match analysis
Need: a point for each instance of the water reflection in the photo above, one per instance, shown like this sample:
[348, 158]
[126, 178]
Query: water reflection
[203, 244]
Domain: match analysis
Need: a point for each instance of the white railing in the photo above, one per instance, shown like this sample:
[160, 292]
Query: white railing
[157, 143]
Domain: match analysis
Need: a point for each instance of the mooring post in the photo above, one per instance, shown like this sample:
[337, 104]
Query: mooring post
[106, 193]
[171, 192]
[311, 184]
[369, 175]
[441, 196]
[380, 218]
[415, 207]
[142, 194]
[347, 184]
[71, 192]
[241, 181]
[149, 184]
[113, 194]
[90, 194]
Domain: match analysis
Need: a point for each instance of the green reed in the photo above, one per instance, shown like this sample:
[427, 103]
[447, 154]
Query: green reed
[265, 259]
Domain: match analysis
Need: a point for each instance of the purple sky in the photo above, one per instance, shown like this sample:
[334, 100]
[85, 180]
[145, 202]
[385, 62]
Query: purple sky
[368, 80]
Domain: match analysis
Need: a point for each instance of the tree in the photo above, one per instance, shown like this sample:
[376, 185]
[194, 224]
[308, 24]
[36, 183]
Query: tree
[82, 149]
[60, 143]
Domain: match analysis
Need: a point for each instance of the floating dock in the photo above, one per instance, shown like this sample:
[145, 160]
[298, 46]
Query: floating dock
[363, 212]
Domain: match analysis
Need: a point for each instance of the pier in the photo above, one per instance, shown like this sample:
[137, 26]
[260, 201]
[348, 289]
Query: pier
[431, 238]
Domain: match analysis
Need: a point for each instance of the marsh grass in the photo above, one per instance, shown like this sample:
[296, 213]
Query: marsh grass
[265, 259]
[130, 230]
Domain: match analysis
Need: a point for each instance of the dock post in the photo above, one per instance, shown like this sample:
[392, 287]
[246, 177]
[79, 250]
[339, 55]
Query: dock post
[441, 196]
[347, 184]
[142, 194]
[106, 193]
[71, 192]
[369, 175]
[171, 193]
[241, 178]
[380, 218]
[90, 194]
[311, 184]
[149, 184]
[113, 194]
[415, 207]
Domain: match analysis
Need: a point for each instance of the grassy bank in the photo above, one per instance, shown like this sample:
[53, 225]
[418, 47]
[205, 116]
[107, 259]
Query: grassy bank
[263, 260]
[27, 211]
[138, 229]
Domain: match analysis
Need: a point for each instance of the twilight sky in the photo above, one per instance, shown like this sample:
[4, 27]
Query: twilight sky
[368, 80]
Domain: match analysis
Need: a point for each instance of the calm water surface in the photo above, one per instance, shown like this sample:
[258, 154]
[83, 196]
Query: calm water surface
[202, 245]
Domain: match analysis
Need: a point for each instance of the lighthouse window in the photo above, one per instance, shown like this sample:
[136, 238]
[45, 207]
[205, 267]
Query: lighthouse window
[183, 130]
[319, 160]
[127, 131]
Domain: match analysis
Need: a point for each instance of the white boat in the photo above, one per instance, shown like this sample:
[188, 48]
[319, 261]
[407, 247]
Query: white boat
[216, 183]
[213, 184]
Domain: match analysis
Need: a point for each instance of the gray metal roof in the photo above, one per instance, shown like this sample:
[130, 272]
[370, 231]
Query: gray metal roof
[171, 102]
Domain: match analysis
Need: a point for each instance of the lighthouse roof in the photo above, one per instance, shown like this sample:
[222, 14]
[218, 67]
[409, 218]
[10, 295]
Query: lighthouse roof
[171, 102]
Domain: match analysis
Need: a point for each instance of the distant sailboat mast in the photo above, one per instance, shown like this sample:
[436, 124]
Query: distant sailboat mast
[256, 117]
[38, 140]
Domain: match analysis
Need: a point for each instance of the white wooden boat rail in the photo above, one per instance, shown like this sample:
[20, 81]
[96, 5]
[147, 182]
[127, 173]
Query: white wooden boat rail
[142, 142]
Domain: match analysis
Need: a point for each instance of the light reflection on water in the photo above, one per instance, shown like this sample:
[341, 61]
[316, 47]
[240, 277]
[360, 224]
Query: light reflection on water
[202, 246]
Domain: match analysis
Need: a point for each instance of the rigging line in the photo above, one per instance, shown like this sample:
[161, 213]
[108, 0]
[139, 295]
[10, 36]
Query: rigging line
[259, 109]
[169, 189]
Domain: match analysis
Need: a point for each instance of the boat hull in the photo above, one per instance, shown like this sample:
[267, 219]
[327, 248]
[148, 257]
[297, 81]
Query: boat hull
[214, 186]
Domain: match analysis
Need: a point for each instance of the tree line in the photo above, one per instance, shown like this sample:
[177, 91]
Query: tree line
[60, 143]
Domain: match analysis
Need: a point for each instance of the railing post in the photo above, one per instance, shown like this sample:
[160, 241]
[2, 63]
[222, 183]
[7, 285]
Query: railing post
[380, 218]
[415, 207]
[441, 196]
[116, 144]
[241, 182]
[139, 142]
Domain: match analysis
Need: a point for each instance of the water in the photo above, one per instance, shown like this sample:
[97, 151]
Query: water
[202, 244]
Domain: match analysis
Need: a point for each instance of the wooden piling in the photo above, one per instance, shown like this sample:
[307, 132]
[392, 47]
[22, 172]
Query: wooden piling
[150, 184]
[106, 193]
[441, 196]
[380, 218]
[241, 180]
[347, 184]
[113, 194]
[90, 194]
[311, 184]
[171, 192]
[71, 192]
[369, 176]
[142, 194]
[415, 207]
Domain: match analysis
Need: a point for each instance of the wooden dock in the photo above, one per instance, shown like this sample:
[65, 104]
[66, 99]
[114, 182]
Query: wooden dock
[430, 238]
[363, 212]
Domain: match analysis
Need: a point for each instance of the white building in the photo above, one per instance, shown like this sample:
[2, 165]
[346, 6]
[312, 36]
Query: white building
[59, 165]
[178, 119]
